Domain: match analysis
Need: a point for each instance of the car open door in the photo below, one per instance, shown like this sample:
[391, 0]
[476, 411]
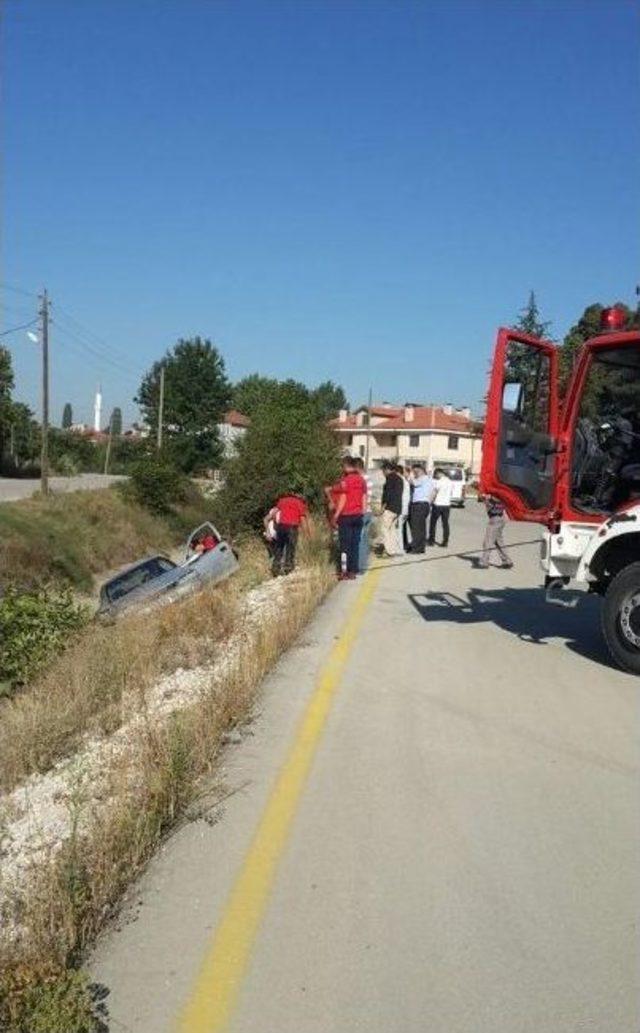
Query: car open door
[520, 437]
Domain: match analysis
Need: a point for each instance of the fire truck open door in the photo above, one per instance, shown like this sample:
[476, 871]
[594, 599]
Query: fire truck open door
[520, 439]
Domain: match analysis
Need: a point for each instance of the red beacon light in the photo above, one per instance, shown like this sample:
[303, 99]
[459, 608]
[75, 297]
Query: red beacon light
[613, 319]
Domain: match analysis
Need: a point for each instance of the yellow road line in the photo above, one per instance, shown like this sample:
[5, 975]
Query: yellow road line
[217, 986]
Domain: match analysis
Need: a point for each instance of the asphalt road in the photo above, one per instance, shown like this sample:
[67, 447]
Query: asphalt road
[12, 488]
[461, 855]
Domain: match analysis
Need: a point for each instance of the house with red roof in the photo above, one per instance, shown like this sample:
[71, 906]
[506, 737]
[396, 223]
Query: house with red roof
[231, 428]
[437, 435]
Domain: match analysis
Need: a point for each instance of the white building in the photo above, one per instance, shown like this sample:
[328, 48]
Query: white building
[232, 427]
[430, 434]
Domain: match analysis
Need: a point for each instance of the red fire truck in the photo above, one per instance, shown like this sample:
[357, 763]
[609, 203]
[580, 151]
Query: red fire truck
[574, 466]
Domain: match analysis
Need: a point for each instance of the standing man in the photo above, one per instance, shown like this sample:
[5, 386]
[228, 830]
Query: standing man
[406, 530]
[367, 517]
[406, 507]
[440, 507]
[350, 494]
[494, 535]
[288, 514]
[423, 488]
[391, 509]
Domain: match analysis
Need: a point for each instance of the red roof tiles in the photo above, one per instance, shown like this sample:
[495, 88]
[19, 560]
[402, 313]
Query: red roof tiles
[425, 417]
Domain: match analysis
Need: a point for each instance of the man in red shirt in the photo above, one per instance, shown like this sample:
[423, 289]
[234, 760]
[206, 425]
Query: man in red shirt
[288, 514]
[351, 492]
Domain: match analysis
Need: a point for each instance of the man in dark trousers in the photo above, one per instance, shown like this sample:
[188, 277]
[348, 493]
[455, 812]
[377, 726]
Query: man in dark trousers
[440, 507]
[423, 487]
[351, 496]
[288, 514]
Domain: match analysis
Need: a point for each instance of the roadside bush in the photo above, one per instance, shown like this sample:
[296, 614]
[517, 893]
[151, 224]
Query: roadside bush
[35, 627]
[66, 466]
[52, 1002]
[10, 468]
[284, 450]
[158, 485]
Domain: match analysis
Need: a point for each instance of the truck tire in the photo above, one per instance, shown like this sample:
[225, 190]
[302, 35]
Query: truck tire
[621, 618]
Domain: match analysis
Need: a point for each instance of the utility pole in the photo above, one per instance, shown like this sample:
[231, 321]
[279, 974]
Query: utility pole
[108, 452]
[44, 455]
[366, 452]
[161, 408]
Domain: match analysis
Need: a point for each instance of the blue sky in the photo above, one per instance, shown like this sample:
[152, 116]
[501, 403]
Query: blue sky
[359, 191]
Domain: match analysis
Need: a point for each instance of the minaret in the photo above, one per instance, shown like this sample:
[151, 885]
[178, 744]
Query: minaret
[97, 410]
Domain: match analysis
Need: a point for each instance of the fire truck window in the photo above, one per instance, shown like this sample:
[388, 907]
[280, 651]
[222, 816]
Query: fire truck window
[605, 457]
[525, 460]
[529, 368]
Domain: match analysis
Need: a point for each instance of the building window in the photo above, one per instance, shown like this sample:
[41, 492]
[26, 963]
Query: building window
[414, 441]
[361, 450]
[349, 439]
[453, 442]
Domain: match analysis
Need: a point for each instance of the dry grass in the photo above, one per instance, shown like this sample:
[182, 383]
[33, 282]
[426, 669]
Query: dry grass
[71, 898]
[72, 537]
[83, 691]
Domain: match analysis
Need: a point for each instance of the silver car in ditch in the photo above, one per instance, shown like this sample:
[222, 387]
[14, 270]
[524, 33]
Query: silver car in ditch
[157, 579]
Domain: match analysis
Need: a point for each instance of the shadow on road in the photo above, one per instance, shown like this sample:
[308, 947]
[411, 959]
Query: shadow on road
[435, 556]
[523, 612]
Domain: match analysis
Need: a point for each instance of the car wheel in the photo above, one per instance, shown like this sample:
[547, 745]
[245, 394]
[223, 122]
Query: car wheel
[621, 618]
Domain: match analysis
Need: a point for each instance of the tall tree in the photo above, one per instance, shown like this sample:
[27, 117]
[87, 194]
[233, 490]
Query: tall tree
[521, 364]
[196, 394]
[588, 325]
[6, 387]
[286, 448]
[115, 423]
[329, 399]
[529, 320]
[255, 393]
[67, 416]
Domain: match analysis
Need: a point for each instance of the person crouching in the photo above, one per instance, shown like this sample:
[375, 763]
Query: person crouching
[288, 515]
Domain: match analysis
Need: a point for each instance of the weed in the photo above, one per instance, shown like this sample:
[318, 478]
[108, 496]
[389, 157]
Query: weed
[48, 1000]
[34, 627]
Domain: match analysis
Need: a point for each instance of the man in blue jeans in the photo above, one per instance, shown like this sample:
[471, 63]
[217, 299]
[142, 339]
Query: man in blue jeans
[367, 517]
[350, 493]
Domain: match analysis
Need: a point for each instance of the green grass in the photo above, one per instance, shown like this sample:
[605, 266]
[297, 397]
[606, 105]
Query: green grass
[68, 539]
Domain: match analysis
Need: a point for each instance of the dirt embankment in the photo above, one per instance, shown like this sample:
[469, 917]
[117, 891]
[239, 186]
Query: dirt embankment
[110, 745]
[72, 538]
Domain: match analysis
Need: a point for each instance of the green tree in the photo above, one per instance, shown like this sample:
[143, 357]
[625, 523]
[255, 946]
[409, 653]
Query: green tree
[523, 365]
[329, 399]
[115, 423]
[27, 436]
[530, 322]
[285, 449]
[588, 325]
[67, 416]
[196, 394]
[6, 387]
[255, 392]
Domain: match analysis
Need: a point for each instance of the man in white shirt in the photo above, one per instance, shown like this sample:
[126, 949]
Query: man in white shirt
[440, 507]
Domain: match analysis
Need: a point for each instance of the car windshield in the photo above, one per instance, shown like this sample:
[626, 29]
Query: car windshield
[455, 475]
[138, 576]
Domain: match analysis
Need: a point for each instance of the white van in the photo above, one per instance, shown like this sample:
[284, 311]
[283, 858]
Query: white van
[458, 478]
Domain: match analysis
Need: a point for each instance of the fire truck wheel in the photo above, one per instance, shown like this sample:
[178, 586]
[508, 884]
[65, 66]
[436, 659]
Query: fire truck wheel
[621, 618]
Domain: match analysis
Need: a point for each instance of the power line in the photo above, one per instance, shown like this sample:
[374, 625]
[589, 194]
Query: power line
[17, 290]
[103, 365]
[78, 330]
[23, 326]
[115, 363]
[86, 332]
